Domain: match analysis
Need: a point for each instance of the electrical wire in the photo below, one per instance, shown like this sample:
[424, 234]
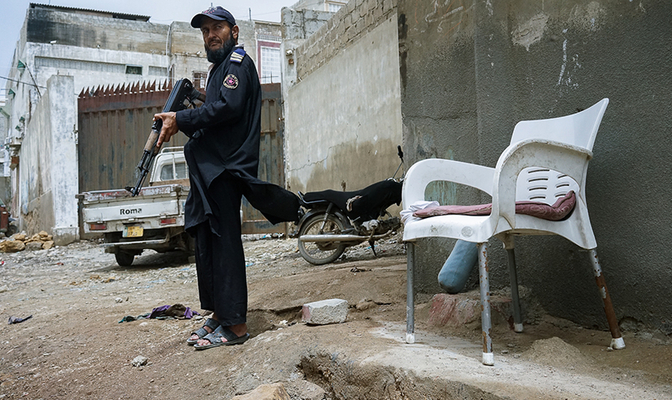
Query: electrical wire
[24, 83]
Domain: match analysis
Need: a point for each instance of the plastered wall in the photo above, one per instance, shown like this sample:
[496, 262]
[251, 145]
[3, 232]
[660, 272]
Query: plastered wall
[342, 111]
[47, 176]
[472, 69]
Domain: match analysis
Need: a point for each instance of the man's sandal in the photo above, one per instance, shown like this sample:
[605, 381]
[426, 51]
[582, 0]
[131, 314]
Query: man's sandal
[216, 338]
[202, 332]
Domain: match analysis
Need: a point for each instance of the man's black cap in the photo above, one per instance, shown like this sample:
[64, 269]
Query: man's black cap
[218, 13]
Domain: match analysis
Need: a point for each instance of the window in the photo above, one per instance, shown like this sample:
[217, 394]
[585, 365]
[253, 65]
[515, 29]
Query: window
[270, 64]
[157, 71]
[134, 70]
[199, 80]
[179, 173]
[181, 170]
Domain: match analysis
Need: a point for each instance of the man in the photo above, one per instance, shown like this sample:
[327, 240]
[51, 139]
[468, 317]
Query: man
[223, 156]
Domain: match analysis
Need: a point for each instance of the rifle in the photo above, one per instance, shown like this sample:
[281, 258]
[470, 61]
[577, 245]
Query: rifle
[181, 97]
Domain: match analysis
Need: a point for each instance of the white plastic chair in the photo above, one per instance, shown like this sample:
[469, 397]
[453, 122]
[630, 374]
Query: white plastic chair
[545, 159]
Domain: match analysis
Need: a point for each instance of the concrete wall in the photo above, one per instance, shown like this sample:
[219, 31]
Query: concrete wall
[5, 182]
[296, 27]
[342, 112]
[471, 70]
[48, 170]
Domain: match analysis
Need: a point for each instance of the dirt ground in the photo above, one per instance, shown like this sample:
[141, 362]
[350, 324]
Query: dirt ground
[75, 347]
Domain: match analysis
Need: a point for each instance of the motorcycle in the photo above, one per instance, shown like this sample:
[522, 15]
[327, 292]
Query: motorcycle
[334, 220]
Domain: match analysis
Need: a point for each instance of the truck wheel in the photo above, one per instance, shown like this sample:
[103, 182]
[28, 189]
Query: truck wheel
[124, 258]
[319, 253]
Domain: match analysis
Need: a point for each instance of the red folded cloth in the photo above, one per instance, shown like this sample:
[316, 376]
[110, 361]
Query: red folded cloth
[558, 211]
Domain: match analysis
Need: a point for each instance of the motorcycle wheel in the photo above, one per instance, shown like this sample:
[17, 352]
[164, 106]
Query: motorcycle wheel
[319, 253]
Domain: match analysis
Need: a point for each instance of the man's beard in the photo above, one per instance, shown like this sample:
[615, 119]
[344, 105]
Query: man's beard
[219, 55]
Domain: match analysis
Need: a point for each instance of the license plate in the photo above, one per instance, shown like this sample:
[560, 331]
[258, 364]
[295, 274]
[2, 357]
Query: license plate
[132, 231]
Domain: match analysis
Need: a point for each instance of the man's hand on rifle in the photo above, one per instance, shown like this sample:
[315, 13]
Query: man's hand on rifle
[169, 127]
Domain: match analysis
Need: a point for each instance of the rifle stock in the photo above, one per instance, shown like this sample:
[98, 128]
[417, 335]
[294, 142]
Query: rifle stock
[181, 97]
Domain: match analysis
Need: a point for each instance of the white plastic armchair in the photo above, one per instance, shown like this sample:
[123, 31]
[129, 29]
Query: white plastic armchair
[544, 161]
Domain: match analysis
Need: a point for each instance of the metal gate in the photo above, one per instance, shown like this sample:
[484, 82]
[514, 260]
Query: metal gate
[114, 123]
[271, 159]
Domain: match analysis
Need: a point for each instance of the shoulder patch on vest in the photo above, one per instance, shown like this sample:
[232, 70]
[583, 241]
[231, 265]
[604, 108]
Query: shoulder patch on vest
[231, 81]
[238, 55]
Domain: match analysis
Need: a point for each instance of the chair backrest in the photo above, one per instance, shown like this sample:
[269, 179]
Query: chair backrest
[578, 129]
[543, 185]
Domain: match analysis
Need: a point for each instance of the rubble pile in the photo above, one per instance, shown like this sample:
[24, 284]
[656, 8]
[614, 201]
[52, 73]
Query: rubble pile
[21, 241]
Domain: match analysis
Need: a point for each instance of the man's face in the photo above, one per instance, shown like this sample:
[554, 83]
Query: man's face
[217, 33]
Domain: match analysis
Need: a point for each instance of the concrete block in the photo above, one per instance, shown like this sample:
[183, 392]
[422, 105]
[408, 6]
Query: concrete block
[377, 13]
[351, 6]
[332, 311]
[363, 10]
[465, 308]
[275, 391]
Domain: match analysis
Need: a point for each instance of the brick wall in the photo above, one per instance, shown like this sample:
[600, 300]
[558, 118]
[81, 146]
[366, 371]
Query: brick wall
[349, 24]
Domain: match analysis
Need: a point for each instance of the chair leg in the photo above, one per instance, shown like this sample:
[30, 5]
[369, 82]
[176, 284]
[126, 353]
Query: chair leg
[617, 341]
[517, 318]
[410, 300]
[486, 323]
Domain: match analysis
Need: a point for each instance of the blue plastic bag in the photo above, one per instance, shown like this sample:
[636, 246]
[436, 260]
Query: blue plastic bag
[455, 271]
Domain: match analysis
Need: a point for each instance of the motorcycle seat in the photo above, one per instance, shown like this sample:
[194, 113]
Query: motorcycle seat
[311, 202]
[365, 204]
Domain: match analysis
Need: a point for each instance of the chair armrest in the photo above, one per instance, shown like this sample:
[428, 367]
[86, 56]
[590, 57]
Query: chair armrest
[425, 171]
[562, 157]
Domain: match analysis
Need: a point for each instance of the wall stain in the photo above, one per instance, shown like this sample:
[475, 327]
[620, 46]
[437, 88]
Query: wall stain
[403, 50]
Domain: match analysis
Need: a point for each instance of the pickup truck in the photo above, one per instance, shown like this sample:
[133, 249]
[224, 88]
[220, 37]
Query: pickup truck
[152, 220]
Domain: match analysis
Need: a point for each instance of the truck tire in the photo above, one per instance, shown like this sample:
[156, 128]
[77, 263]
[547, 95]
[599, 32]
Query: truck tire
[124, 258]
[321, 252]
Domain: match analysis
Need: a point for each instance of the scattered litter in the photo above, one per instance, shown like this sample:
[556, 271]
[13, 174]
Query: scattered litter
[176, 311]
[16, 320]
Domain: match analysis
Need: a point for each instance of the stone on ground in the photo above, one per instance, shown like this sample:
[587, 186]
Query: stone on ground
[274, 391]
[12, 246]
[465, 308]
[332, 311]
[33, 246]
